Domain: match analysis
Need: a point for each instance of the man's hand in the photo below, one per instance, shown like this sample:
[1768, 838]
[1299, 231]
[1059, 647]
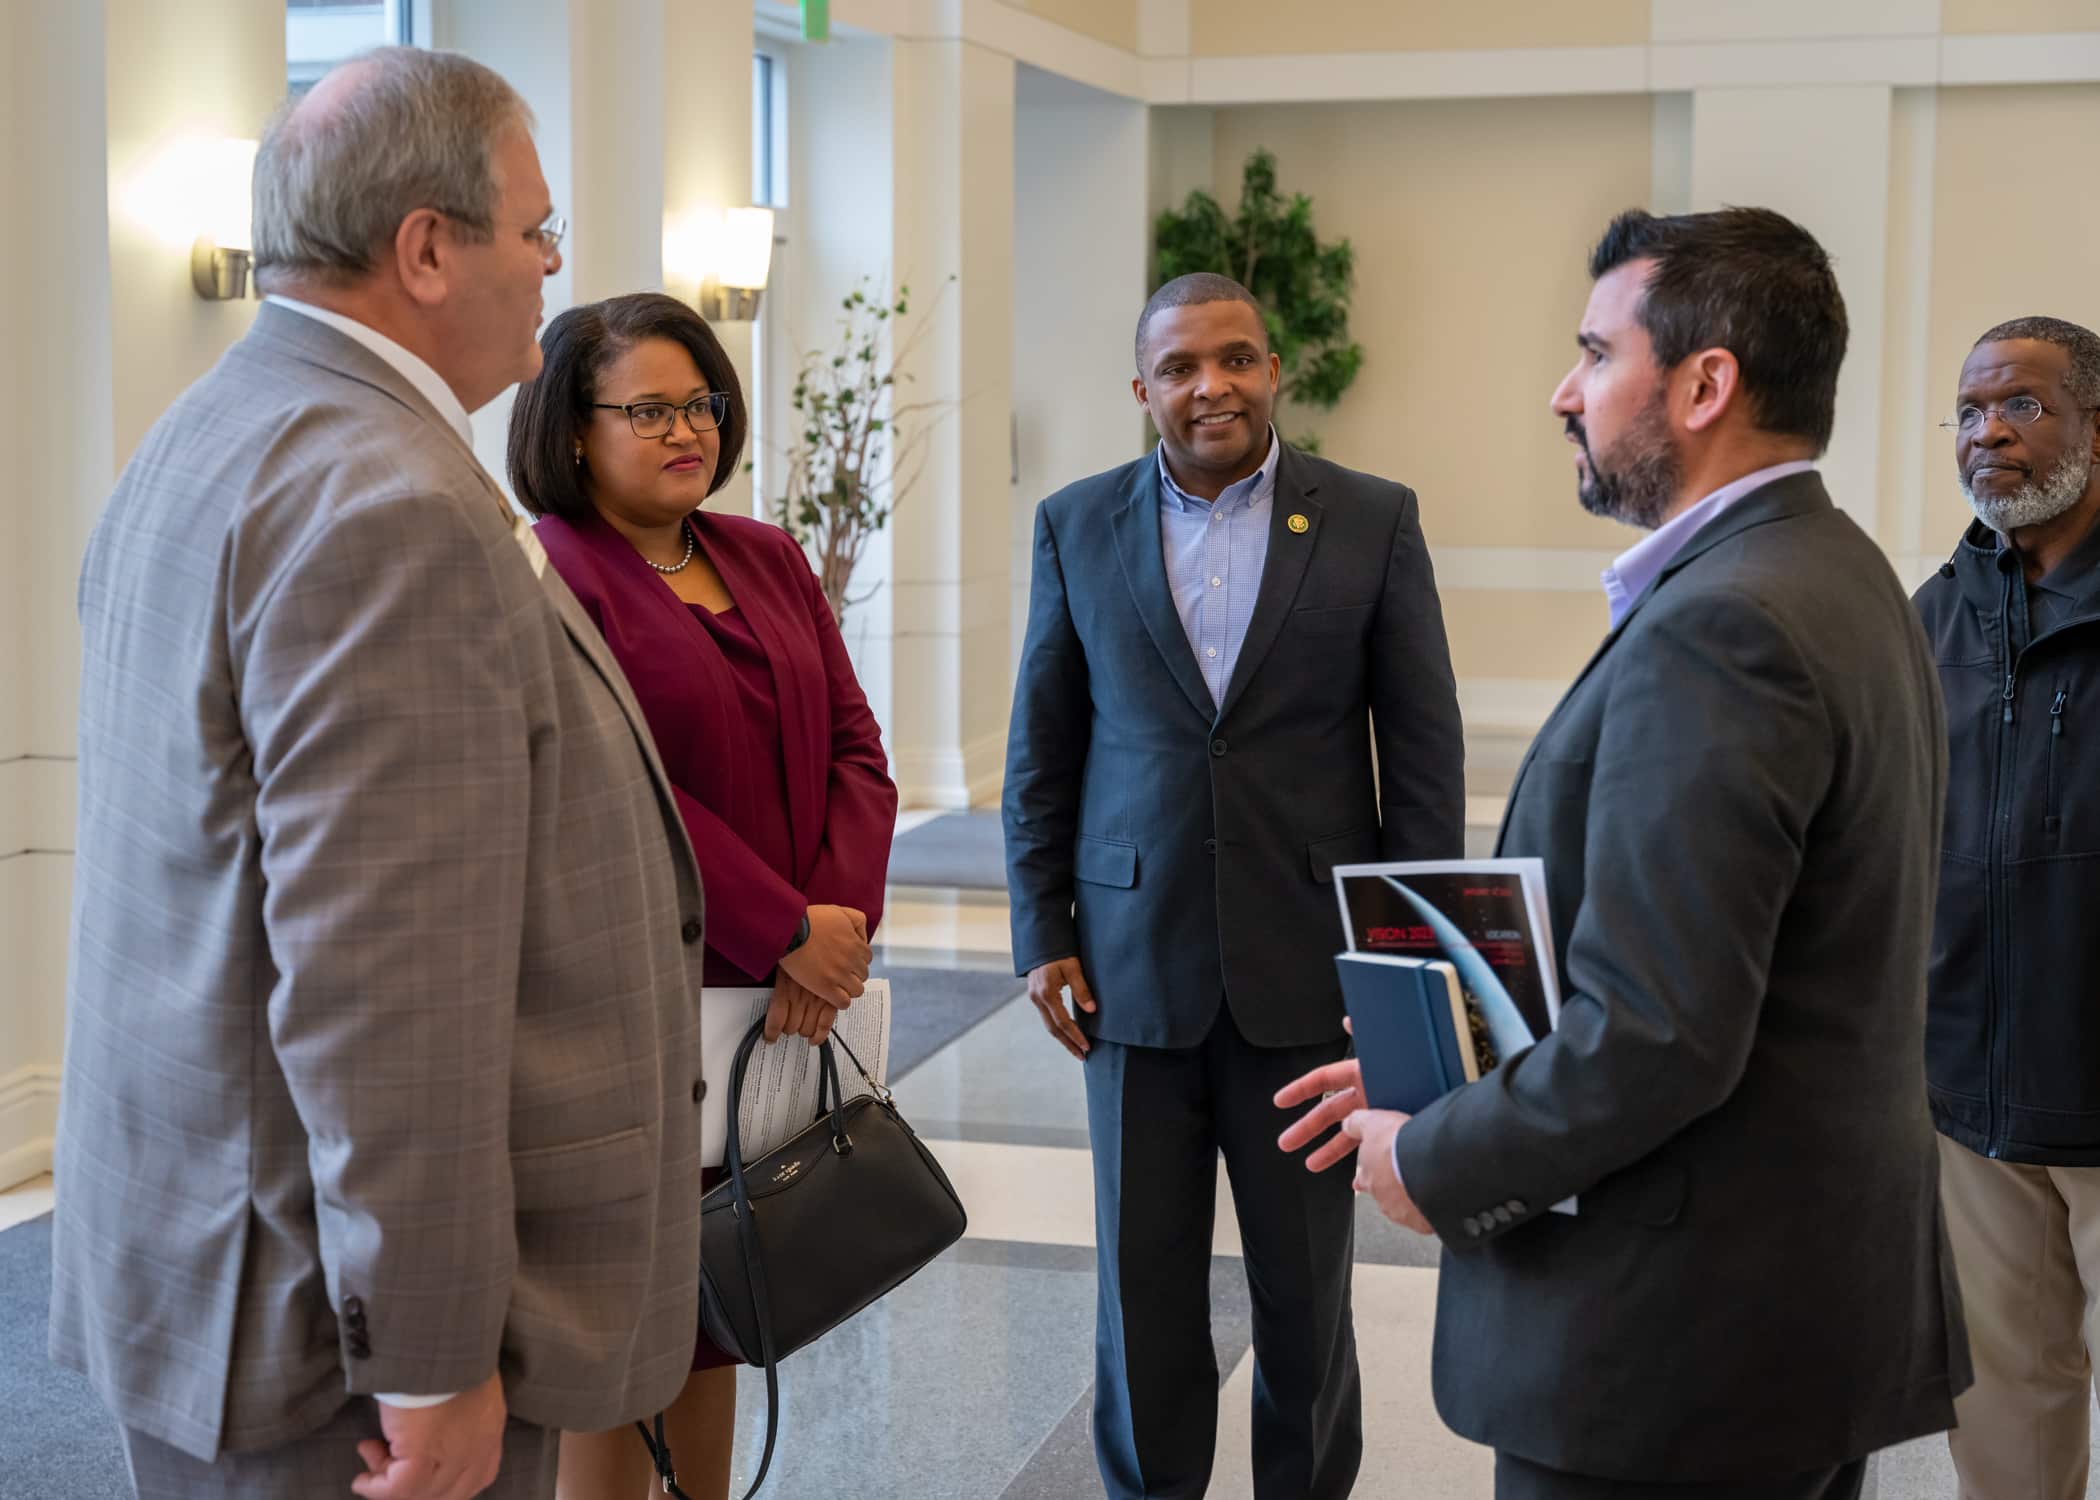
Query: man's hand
[1344, 1083]
[445, 1452]
[796, 1012]
[1373, 1130]
[833, 964]
[1046, 986]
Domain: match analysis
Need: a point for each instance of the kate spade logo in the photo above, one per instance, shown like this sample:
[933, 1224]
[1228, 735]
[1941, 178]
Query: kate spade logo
[787, 1171]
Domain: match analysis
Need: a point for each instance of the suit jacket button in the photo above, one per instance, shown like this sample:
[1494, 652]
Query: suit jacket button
[1515, 1205]
[691, 931]
[699, 1089]
[1473, 1227]
[1502, 1213]
[359, 1348]
[1217, 747]
[1210, 846]
[354, 1309]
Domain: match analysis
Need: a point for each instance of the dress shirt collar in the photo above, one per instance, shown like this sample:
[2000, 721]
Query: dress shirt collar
[1251, 491]
[427, 382]
[1643, 562]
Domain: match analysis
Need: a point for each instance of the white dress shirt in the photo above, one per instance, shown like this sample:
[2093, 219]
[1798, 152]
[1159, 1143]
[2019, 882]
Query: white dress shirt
[428, 383]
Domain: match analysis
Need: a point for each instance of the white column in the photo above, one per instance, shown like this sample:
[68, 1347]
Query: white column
[99, 343]
[952, 192]
[1750, 146]
[840, 213]
[1082, 250]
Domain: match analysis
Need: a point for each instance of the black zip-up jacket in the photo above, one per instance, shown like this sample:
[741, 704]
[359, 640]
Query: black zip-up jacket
[2012, 1042]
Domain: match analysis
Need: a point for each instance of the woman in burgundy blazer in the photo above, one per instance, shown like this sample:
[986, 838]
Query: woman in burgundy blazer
[732, 652]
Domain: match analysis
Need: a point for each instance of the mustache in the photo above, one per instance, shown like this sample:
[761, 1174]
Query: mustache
[1575, 431]
[1996, 463]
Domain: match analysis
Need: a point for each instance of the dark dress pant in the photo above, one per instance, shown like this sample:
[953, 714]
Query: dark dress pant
[1518, 1479]
[1160, 1118]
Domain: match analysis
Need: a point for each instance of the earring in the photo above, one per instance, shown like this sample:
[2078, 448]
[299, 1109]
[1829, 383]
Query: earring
[579, 458]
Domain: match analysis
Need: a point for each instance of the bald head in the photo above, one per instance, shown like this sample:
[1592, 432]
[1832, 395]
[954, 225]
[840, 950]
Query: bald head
[395, 130]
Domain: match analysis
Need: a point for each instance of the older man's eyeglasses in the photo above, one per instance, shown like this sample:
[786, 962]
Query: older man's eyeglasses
[547, 234]
[2021, 411]
[653, 419]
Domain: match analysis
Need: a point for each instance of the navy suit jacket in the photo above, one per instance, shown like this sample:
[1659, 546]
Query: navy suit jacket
[1184, 850]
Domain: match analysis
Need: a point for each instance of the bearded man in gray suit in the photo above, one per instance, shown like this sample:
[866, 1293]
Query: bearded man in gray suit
[378, 1147]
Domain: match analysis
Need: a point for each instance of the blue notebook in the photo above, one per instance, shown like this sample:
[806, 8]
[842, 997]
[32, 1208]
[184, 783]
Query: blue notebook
[1409, 1019]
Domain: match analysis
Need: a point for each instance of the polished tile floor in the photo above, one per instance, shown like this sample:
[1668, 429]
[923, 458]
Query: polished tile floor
[973, 1380]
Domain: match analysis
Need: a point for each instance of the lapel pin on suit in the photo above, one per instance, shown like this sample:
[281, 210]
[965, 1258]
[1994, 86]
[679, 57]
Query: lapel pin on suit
[1299, 524]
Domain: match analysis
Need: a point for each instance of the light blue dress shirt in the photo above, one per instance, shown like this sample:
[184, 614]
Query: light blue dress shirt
[1215, 551]
[1643, 562]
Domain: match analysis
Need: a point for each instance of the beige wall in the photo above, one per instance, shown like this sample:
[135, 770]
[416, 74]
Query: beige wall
[1512, 633]
[1242, 28]
[1470, 254]
[1111, 21]
[1971, 17]
[2014, 233]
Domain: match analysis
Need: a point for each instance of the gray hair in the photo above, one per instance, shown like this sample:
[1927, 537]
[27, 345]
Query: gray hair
[333, 180]
[2082, 378]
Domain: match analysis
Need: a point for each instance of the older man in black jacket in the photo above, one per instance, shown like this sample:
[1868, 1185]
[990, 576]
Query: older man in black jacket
[2013, 1036]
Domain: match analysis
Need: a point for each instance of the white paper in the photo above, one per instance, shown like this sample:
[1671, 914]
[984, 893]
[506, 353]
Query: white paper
[780, 1083]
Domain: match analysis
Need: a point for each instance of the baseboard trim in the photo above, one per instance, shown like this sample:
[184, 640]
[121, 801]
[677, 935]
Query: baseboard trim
[28, 1122]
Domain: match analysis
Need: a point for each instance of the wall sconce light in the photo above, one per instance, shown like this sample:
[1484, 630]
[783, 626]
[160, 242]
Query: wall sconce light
[723, 257]
[192, 194]
[222, 253]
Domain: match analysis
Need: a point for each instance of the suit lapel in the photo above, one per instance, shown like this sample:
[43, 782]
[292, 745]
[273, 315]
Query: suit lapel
[1282, 572]
[756, 599]
[1144, 559]
[592, 644]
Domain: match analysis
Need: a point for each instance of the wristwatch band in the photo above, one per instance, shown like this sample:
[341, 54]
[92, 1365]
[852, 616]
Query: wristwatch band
[801, 934]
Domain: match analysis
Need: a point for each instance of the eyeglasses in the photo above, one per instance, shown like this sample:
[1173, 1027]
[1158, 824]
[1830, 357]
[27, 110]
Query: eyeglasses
[654, 419]
[548, 234]
[2021, 411]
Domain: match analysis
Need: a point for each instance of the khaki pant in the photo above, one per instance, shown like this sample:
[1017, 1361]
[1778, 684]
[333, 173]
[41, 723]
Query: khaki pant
[2027, 1246]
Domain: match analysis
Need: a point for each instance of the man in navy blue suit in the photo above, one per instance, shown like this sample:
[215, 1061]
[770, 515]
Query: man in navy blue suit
[1235, 678]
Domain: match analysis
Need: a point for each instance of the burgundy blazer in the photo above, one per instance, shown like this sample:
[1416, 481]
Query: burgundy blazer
[842, 805]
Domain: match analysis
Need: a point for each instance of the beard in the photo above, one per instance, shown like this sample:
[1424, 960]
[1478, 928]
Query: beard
[1636, 488]
[2037, 500]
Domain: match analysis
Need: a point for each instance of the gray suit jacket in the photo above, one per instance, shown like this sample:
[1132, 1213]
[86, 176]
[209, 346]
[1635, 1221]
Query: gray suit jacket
[383, 1016]
[1738, 806]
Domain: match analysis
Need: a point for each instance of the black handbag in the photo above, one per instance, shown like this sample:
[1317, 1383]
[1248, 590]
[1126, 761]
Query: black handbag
[845, 1211]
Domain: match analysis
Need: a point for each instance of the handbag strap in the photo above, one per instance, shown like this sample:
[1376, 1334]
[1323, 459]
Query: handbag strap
[831, 1100]
[660, 1455]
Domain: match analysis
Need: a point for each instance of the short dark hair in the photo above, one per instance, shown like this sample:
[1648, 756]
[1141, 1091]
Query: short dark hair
[2082, 379]
[1752, 282]
[1188, 291]
[548, 420]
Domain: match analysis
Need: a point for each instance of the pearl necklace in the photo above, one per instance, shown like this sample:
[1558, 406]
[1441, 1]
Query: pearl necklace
[680, 565]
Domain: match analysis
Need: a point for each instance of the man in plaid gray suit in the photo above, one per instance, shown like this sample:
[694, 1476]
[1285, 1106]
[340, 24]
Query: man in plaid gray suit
[378, 1146]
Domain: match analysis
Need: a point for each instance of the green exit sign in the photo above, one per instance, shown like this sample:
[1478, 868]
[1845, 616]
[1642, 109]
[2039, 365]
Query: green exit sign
[816, 20]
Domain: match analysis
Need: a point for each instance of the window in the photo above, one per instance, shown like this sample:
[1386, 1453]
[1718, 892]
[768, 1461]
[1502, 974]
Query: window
[318, 34]
[768, 131]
